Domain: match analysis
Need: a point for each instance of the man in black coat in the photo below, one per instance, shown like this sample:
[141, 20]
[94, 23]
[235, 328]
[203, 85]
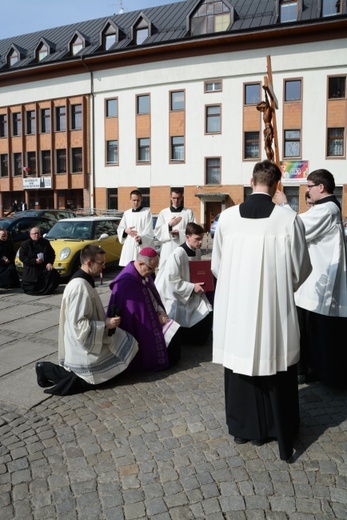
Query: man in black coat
[38, 256]
[8, 273]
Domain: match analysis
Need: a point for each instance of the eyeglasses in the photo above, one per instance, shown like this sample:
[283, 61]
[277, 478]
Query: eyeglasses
[309, 186]
[99, 262]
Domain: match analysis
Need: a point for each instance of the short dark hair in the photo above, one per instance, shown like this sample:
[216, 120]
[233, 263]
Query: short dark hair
[177, 190]
[136, 192]
[323, 177]
[90, 252]
[194, 229]
[266, 172]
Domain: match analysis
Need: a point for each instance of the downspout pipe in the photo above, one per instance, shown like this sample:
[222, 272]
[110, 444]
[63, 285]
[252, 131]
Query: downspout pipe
[92, 136]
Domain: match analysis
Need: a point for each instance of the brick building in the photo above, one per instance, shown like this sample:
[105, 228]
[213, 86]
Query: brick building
[167, 96]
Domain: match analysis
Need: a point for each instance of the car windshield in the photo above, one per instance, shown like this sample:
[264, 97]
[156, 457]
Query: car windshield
[72, 230]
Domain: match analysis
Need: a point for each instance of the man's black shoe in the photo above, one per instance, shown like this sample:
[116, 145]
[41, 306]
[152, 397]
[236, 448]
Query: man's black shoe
[240, 440]
[41, 380]
[257, 443]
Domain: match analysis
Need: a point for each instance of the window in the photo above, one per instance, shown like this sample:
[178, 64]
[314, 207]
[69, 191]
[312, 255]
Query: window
[292, 90]
[16, 123]
[252, 93]
[142, 104]
[112, 197]
[112, 107]
[177, 148]
[76, 117]
[211, 16]
[109, 37]
[4, 165]
[252, 145]
[45, 120]
[42, 52]
[17, 164]
[288, 11]
[13, 58]
[213, 119]
[141, 32]
[143, 150]
[177, 100]
[336, 140]
[337, 87]
[31, 162]
[292, 194]
[61, 161]
[46, 162]
[213, 170]
[145, 194]
[213, 86]
[60, 119]
[330, 7]
[76, 159]
[76, 45]
[292, 143]
[3, 125]
[112, 152]
[31, 121]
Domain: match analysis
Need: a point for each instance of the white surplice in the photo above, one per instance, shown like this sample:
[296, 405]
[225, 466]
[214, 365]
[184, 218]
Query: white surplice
[176, 290]
[259, 263]
[143, 224]
[84, 346]
[169, 242]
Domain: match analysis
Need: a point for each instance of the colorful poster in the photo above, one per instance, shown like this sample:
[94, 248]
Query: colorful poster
[294, 170]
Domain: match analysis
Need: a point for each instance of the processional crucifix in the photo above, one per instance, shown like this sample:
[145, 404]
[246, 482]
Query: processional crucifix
[268, 108]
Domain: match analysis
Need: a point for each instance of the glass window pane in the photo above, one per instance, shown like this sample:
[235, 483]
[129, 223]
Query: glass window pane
[293, 90]
[177, 100]
[213, 175]
[111, 107]
[251, 145]
[288, 12]
[252, 94]
[143, 104]
[336, 142]
[112, 152]
[337, 87]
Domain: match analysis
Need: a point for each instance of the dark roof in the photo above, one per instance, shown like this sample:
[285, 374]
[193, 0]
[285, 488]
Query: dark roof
[168, 22]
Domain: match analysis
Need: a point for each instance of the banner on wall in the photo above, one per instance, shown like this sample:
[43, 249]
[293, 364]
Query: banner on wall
[294, 170]
[37, 183]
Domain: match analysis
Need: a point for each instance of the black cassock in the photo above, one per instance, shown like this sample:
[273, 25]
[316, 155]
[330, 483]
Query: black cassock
[36, 279]
[8, 273]
[262, 407]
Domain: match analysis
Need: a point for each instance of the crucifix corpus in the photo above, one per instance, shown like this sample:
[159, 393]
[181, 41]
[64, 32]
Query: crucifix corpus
[268, 108]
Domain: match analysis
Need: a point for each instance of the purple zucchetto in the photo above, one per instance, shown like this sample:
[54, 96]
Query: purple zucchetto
[148, 251]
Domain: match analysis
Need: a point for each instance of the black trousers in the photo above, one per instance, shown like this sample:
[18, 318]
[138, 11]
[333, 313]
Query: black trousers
[63, 381]
[199, 333]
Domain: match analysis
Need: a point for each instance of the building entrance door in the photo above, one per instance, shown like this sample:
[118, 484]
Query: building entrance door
[211, 211]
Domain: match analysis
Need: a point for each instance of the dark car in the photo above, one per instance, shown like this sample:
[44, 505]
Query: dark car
[19, 225]
[54, 214]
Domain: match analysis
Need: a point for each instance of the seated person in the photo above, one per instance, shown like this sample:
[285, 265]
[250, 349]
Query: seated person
[135, 298]
[8, 273]
[38, 256]
[186, 302]
[88, 353]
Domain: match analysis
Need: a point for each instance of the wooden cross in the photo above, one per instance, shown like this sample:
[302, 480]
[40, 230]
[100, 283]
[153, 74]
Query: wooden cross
[269, 111]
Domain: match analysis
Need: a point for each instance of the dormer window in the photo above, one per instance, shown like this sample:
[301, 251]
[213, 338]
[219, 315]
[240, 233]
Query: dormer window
[210, 17]
[76, 45]
[109, 37]
[141, 32]
[42, 51]
[288, 11]
[331, 7]
[13, 57]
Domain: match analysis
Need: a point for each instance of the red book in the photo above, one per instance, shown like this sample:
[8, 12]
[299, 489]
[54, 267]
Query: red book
[200, 272]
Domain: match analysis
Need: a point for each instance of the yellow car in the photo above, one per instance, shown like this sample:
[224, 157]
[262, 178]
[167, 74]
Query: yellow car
[70, 235]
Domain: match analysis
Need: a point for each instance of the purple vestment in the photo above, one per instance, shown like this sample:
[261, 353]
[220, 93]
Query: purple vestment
[131, 294]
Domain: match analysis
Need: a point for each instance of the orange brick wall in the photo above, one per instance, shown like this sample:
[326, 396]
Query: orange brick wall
[336, 113]
[100, 198]
[292, 114]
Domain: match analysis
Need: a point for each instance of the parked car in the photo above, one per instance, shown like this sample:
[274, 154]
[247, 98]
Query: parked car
[54, 214]
[69, 236]
[19, 225]
[214, 225]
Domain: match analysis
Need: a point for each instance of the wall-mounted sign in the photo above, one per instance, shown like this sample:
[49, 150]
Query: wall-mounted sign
[294, 170]
[37, 183]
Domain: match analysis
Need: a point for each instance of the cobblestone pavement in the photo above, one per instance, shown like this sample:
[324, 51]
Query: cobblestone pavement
[154, 446]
